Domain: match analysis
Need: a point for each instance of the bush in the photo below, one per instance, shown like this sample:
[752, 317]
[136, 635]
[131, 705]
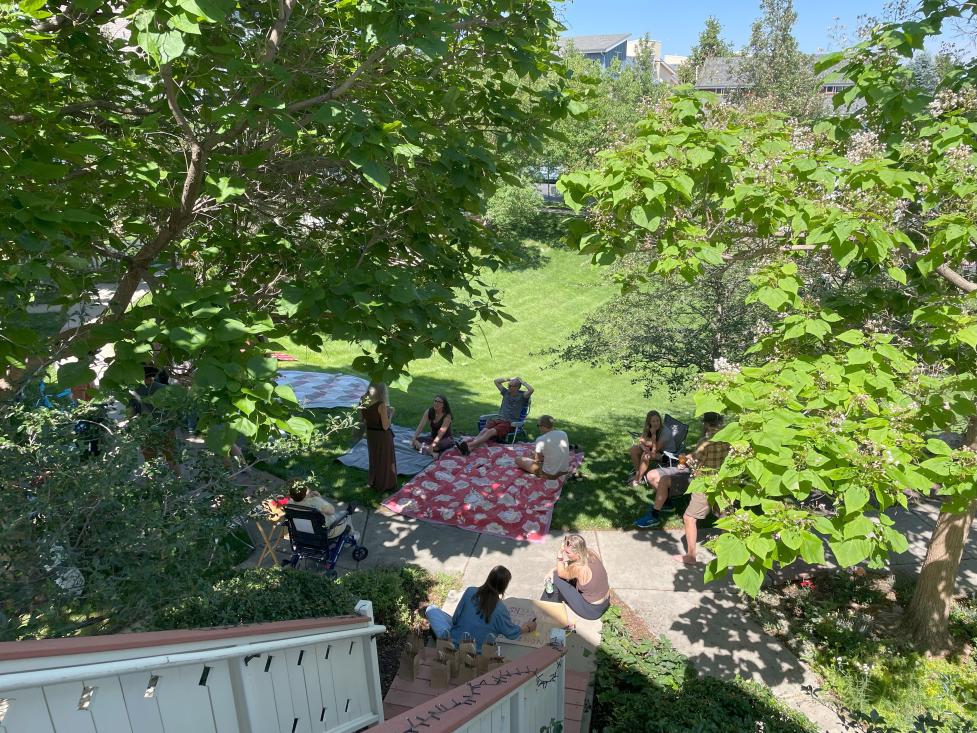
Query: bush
[276, 594]
[513, 210]
[846, 626]
[99, 542]
[646, 685]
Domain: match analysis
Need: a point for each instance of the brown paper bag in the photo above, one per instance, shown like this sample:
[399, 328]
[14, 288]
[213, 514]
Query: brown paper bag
[439, 671]
[469, 667]
[489, 652]
[410, 660]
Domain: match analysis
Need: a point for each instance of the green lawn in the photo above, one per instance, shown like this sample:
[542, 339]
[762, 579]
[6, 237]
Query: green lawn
[549, 299]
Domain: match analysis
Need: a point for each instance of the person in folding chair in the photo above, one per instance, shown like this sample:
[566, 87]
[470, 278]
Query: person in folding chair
[302, 495]
[674, 480]
[515, 401]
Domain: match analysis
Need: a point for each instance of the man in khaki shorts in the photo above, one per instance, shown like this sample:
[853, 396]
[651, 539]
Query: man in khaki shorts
[708, 456]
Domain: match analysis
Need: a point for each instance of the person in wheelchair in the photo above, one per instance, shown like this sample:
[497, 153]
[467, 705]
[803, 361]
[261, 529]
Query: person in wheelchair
[301, 494]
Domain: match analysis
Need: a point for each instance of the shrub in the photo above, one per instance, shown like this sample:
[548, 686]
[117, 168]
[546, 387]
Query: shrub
[276, 594]
[646, 685]
[513, 210]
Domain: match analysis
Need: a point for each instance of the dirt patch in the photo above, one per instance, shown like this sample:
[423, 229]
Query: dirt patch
[637, 628]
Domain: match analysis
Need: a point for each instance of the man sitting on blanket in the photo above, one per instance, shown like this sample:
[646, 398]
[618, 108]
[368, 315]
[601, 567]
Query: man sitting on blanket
[514, 400]
[552, 458]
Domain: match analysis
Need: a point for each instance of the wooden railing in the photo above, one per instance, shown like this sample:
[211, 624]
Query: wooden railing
[523, 696]
[305, 676]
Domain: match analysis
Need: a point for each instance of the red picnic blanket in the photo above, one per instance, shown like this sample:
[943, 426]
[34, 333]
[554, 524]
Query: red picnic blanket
[485, 492]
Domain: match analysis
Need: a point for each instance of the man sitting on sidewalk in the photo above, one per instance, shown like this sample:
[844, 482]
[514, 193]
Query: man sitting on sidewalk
[552, 458]
[708, 454]
[514, 400]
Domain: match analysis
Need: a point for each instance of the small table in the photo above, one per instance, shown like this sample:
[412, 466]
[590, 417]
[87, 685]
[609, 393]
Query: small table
[271, 528]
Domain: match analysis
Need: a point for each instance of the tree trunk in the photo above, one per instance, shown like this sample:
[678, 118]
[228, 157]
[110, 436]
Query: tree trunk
[928, 616]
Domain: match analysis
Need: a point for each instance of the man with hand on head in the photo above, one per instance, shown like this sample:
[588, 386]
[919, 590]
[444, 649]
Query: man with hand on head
[514, 401]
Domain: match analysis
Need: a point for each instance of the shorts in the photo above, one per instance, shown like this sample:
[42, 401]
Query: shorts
[698, 507]
[681, 478]
[501, 427]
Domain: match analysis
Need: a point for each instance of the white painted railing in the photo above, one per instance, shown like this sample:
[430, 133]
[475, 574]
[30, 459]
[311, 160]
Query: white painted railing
[523, 696]
[309, 676]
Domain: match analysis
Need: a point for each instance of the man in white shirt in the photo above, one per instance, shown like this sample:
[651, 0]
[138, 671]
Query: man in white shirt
[552, 458]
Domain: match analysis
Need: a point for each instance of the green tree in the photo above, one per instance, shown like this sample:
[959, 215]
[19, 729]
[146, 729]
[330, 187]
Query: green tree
[925, 74]
[773, 68]
[849, 387]
[666, 331]
[312, 170]
[710, 44]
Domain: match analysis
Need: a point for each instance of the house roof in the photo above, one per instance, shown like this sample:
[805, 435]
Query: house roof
[719, 73]
[595, 44]
[723, 73]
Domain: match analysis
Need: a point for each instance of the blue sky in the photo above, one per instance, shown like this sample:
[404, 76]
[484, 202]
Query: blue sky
[676, 23]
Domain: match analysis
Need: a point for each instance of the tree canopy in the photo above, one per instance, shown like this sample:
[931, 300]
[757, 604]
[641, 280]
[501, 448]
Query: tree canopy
[315, 170]
[709, 44]
[850, 387]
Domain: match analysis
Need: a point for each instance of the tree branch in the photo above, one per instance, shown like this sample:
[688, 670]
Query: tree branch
[169, 86]
[77, 107]
[955, 278]
[277, 31]
[340, 89]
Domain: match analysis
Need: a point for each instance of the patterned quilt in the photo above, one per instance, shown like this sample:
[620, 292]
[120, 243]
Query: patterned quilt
[324, 389]
[485, 492]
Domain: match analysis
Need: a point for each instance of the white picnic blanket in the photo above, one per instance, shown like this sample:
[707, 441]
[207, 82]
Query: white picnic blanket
[324, 389]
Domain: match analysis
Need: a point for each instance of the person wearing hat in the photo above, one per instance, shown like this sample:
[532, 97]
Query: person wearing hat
[514, 400]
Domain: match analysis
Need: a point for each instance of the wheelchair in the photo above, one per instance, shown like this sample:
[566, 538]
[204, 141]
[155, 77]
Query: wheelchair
[308, 532]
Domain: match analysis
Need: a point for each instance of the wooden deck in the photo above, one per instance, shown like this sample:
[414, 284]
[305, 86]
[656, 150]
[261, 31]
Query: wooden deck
[404, 695]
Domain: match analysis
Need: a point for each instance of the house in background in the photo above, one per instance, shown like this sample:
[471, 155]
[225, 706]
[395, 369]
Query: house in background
[721, 75]
[603, 49]
[620, 47]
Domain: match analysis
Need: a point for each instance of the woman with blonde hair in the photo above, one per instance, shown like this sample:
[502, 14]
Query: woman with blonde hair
[648, 448]
[376, 412]
[579, 580]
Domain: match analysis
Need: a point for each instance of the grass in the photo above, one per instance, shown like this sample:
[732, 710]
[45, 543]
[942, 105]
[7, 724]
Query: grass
[549, 299]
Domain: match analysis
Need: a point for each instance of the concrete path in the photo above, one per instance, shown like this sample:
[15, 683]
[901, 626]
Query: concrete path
[707, 622]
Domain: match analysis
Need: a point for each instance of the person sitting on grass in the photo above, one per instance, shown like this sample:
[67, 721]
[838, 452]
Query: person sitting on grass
[479, 613]
[579, 580]
[438, 416]
[300, 493]
[673, 481]
[514, 402]
[649, 446]
[552, 457]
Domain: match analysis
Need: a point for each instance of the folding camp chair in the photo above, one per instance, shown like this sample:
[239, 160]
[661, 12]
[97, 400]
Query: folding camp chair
[675, 433]
[517, 425]
[308, 531]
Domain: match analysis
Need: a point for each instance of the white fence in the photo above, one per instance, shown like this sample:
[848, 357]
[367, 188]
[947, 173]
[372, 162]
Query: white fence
[310, 676]
[523, 696]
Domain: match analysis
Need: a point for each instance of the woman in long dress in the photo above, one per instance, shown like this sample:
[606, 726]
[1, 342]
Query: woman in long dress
[378, 414]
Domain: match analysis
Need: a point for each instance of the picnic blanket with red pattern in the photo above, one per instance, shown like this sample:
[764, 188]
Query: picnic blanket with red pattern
[485, 492]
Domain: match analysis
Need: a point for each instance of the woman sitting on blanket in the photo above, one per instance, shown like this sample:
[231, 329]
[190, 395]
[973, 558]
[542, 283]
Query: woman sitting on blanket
[579, 580]
[438, 416]
[648, 448]
[479, 613]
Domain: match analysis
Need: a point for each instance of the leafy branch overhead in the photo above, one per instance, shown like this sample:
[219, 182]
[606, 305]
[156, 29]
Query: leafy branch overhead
[315, 170]
[849, 381]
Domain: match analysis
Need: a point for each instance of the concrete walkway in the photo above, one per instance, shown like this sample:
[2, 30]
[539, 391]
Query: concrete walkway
[707, 622]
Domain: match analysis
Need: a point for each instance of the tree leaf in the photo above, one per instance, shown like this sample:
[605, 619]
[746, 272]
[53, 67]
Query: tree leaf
[851, 552]
[748, 578]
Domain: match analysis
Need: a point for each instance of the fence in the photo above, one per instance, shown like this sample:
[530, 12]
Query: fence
[306, 676]
[523, 696]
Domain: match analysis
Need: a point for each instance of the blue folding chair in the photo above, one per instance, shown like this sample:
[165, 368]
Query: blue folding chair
[517, 425]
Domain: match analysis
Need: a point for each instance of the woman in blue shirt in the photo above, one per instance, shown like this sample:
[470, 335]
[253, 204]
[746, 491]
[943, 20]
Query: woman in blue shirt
[479, 613]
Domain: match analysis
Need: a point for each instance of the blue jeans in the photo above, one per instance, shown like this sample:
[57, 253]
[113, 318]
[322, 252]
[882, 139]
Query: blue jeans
[440, 621]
